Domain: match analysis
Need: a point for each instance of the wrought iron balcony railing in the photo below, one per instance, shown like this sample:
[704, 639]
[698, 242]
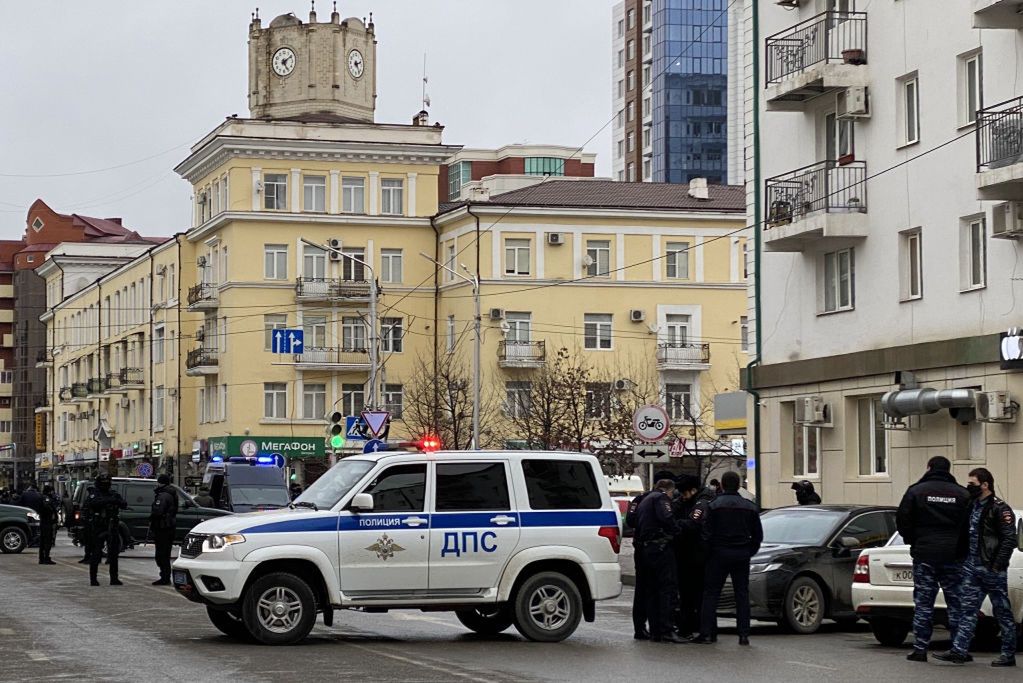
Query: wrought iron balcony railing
[1000, 135]
[829, 37]
[825, 186]
[521, 352]
[201, 357]
[683, 353]
[203, 292]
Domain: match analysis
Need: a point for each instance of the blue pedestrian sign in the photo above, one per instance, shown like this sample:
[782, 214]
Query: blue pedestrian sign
[287, 341]
[374, 446]
[354, 429]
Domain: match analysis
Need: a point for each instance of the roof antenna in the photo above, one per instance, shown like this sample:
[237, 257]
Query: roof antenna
[426, 98]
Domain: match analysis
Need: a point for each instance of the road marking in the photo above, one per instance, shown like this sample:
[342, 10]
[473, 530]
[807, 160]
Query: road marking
[37, 656]
[418, 662]
[813, 666]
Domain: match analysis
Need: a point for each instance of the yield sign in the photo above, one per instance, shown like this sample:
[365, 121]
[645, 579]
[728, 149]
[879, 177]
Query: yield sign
[375, 420]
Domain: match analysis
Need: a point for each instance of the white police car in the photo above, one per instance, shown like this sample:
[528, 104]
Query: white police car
[500, 538]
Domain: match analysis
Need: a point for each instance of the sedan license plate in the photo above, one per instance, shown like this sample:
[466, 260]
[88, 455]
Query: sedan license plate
[903, 575]
[180, 577]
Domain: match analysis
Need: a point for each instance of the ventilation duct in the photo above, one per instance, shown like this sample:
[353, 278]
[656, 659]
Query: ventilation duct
[925, 401]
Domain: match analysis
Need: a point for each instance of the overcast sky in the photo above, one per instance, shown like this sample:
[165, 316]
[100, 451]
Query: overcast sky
[95, 84]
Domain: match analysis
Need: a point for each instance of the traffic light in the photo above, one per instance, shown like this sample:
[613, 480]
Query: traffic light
[429, 443]
[336, 430]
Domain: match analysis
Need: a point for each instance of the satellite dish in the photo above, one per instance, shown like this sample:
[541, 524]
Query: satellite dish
[587, 260]
[505, 326]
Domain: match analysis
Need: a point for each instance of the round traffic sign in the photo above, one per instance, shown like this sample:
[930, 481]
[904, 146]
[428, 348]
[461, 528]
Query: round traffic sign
[650, 423]
[249, 448]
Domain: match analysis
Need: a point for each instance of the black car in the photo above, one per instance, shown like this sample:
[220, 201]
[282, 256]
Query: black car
[804, 570]
[19, 528]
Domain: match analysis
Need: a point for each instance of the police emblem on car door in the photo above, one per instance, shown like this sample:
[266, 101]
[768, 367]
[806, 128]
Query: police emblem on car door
[385, 547]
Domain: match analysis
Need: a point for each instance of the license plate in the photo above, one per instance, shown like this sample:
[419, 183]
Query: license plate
[180, 578]
[905, 575]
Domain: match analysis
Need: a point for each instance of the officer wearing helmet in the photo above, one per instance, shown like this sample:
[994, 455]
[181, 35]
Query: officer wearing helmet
[102, 518]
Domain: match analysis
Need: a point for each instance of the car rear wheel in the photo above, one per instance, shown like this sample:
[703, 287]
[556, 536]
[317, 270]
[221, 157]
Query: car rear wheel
[804, 606]
[13, 540]
[487, 621]
[279, 609]
[548, 607]
[889, 632]
[228, 623]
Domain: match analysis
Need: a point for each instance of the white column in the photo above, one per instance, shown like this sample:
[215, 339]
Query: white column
[412, 194]
[334, 191]
[620, 256]
[657, 263]
[496, 242]
[733, 260]
[374, 192]
[541, 248]
[296, 190]
[257, 176]
[699, 258]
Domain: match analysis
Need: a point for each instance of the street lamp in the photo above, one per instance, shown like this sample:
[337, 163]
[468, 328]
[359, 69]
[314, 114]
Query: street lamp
[473, 280]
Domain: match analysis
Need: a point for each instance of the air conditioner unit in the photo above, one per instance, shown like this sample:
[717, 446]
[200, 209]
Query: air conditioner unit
[852, 103]
[621, 384]
[497, 314]
[811, 410]
[995, 406]
[637, 315]
[555, 238]
[125, 403]
[162, 270]
[1007, 220]
[334, 255]
[201, 262]
[334, 243]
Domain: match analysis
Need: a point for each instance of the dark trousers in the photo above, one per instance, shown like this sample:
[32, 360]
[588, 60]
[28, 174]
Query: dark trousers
[722, 563]
[46, 534]
[639, 616]
[113, 544]
[164, 540]
[690, 595]
[659, 565]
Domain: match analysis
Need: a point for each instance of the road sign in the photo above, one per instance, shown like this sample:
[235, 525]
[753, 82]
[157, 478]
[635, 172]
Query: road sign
[287, 341]
[375, 420]
[650, 423]
[144, 470]
[374, 446]
[354, 428]
[650, 452]
[678, 448]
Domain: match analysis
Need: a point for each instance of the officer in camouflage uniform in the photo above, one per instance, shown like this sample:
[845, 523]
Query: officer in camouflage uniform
[933, 519]
[992, 540]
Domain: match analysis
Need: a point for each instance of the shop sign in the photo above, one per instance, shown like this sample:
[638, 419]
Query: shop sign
[1010, 350]
[158, 448]
[288, 446]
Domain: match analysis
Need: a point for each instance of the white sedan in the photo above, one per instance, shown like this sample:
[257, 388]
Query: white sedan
[882, 591]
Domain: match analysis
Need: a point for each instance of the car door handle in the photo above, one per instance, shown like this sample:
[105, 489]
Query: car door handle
[413, 521]
[502, 520]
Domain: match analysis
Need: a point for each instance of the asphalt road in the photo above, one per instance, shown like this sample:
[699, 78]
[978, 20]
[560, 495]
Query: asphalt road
[54, 626]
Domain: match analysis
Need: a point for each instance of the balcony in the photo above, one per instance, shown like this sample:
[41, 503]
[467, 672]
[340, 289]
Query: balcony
[65, 395]
[79, 391]
[331, 289]
[332, 358]
[201, 361]
[1000, 151]
[44, 359]
[998, 14]
[43, 405]
[95, 387]
[683, 356]
[521, 354]
[203, 296]
[132, 378]
[821, 201]
[112, 383]
[823, 54]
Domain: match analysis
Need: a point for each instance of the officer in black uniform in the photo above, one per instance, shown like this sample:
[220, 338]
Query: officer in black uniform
[42, 506]
[639, 594]
[690, 553]
[162, 523]
[102, 517]
[733, 535]
[655, 530]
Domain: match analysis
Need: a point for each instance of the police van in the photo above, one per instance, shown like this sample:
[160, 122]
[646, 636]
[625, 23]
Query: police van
[521, 538]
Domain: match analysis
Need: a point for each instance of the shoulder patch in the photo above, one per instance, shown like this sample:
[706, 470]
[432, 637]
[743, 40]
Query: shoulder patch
[697, 514]
[1007, 517]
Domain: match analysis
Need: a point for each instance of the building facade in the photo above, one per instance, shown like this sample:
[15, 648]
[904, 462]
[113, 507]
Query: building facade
[886, 286]
[509, 168]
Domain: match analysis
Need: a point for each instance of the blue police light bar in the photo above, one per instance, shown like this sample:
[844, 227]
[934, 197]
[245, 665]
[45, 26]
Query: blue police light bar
[265, 460]
[217, 458]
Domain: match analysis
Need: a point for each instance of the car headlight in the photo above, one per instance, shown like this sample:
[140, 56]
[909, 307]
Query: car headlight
[214, 543]
[33, 515]
[764, 567]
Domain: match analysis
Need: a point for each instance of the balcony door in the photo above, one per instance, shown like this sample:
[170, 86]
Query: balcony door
[676, 330]
[517, 337]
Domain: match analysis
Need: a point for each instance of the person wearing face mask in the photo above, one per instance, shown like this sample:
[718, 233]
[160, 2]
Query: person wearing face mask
[985, 572]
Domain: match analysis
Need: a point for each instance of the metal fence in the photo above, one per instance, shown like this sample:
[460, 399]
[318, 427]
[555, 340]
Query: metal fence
[332, 355]
[1000, 135]
[824, 186]
[331, 288]
[527, 351]
[201, 357]
[828, 37]
[682, 353]
[131, 376]
[202, 292]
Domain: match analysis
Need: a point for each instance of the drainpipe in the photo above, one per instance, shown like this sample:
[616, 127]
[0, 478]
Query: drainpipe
[177, 362]
[756, 255]
[479, 342]
[436, 310]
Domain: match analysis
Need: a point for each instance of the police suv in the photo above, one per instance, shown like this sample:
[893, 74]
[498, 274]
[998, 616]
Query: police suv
[500, 538]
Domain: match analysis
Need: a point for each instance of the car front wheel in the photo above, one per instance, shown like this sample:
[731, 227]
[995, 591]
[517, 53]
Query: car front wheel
[228, 623]
[487, 621]
[889, 632]
[804, 606]
[13, 540]
[548, 607]
[279, 609]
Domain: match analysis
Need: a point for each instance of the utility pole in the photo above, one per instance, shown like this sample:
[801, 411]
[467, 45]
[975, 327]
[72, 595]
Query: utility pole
[474, 281]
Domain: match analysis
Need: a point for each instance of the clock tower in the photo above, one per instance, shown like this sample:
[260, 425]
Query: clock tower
[312, 71]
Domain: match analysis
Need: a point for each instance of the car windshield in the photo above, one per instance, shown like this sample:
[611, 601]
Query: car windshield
[326, 491]
[799, 526]
[259, 495]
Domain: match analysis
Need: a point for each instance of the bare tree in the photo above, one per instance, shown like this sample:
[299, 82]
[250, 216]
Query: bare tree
[441, 404]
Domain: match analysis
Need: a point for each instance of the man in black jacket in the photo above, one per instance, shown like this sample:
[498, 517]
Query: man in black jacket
[690, 553]
[992, 538]
[933, 518]
[732, 533]
[162, 522]
[102, 510]
[42, 506]
[655, 529]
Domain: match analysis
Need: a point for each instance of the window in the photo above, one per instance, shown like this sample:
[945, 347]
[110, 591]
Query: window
[544, 166]
[314, 401]
[873, 439]
[449, 261]
[401, 488]
[597, 331]
[390, 265]
[838, 281]
[275, 262]
[353, 334]
[630, 111]
[971, 94]
[647, 12]
[598, 400]
[519, 325]
[911, 265]
[621, 58]
[676, 329]
[806, 450]
[158, 336]
[391, 334]
[840, 137]
[646, 45]
[972, 253]
[394, 400]
[459, 174]
[621, 149]
[315, 193]
[631, 172]
[598, 253]
[516, 402]
[676, 400]
[271, 323]
[646, 138]
[463, 487]
[677, 260]
[352, 269]
[353, 399]
[646, 107]
[353, 195]
[630, 80]
[560, 485]
[450, 334]
[646, 76]
[314, 330]
[871, 530]
[632, 18]
[744, 333]
[392, 194]
[909, 106]
[158, 394]
[630, 141]
[621, 88]
[630, 50]
[516, 257]
[275, 191]
[621, 29]
[314, 262]
[275, 400]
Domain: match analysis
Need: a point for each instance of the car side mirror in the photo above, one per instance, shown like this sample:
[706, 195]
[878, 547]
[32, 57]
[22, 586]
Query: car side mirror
[362, 502]
[849, 542]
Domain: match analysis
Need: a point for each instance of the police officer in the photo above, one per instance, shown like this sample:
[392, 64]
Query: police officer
[655, 529]
[42, 506]
[639, 594]
[805, 493]
[992, 538]
[162, 524]
[102, 517]
[690, 554]
[933, 518]
[733, 535]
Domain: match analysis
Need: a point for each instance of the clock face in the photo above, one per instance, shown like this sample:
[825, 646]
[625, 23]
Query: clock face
[356, 64]
[283, 61]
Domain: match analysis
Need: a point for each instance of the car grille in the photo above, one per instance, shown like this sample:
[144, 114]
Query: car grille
[192, 545]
